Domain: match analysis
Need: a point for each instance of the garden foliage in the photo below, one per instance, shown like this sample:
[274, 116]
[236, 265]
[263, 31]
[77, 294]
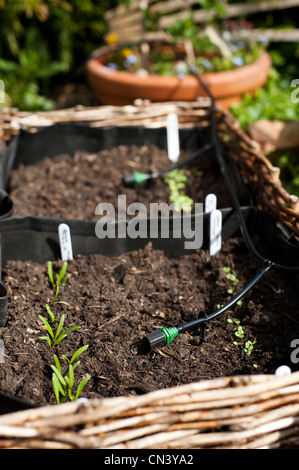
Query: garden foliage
[43, 39]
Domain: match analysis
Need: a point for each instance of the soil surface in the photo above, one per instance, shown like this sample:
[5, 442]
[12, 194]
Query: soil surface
[72, 186]
[119, 300]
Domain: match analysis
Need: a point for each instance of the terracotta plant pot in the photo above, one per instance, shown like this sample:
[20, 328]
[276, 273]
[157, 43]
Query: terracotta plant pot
[112, 87]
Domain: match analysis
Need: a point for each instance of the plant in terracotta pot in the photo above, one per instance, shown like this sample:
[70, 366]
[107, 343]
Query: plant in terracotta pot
[165, 67]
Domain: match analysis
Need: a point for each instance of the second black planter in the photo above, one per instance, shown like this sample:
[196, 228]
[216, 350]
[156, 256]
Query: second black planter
[36, 239]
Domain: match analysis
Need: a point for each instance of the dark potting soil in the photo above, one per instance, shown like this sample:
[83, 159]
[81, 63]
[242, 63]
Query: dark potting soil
[72, 186]
[119, 300]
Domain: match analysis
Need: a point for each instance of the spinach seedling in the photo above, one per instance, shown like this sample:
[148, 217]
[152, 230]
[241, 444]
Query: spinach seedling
[63, 384]
[61, 279]
[54, 337]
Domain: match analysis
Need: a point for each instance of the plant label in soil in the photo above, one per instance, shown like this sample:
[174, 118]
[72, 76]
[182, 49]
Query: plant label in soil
[282, 371]
[215, 232]
[173, 142]
[210, 203]
[65, 242]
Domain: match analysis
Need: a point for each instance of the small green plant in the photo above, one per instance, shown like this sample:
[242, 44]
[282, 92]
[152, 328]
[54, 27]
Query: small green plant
[54, 337]
[63, 384]
[176, 181]
[232, 277]
[51, 314]
[240, 333]
[249, 345]
[61, 279]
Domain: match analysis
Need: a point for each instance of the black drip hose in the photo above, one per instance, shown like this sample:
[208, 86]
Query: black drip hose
[166, 335]
[130, 180]
[233, 195]
[236, 299]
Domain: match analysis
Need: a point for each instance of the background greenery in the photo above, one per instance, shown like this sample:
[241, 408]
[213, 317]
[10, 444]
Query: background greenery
[45, 42]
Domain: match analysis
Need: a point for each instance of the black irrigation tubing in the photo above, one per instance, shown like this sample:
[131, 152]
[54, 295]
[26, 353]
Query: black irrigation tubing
[165, 335]
[136, 177]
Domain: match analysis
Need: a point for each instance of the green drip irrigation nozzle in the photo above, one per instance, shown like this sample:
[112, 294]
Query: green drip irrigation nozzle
[159, 338]
[135, 178]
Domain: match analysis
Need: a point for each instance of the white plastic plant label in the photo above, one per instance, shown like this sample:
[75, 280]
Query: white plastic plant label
[210, 203]
[282, 371]
[173, 140]
[215, 232]
[65, 241]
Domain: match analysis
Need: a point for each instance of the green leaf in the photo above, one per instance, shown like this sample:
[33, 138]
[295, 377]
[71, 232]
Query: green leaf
[57, 387]
[76, 364]
[57, 291]
[59, 375]
[60, 338]
[64, 280]
[226, 269]
[71, 376]
[66, 358]
[58, 366]
[62, 302]
[72, 328]
[51, 314]
[60, 325]
[78, 352]
[50, 272]
[81, 386]
[48, 327]
[46, 338]
[62, 273]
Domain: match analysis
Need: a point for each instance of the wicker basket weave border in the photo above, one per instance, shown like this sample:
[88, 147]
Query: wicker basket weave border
[244, 412]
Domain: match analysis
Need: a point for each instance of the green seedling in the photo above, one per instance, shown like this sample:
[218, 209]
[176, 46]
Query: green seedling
[239, 332]
[51, 314]
[54, 337]
[176, 181]
[61, 279]
[248, 348]
[231, 277]
[234, 321]
[226, 269]
[63, 384]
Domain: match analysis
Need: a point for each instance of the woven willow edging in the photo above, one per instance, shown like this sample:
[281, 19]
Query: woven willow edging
[262, 176]
[243, 412]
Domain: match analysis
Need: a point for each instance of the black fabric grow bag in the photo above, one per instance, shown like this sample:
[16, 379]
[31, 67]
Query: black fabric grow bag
[36, 239]
[30, 148]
